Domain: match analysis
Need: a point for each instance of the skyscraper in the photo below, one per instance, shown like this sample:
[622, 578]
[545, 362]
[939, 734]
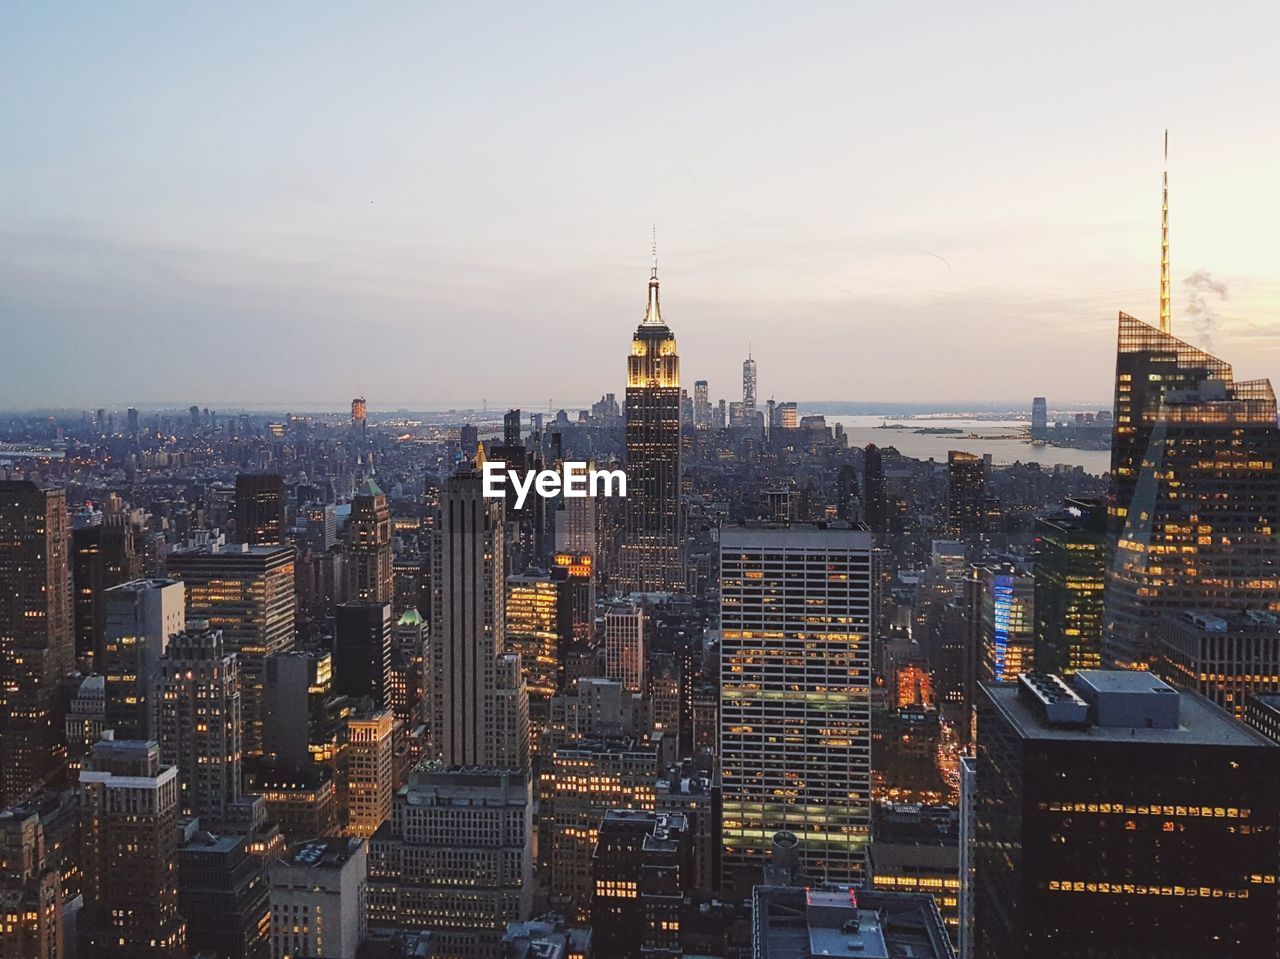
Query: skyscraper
[223, 897]
[653, 547]
[31, 893]
[1070, 571]
[1006, 622]
[538, 624]
[966, 489]
[104, 553]
[37, 645]
[795, 712]
[625, 650]
[1196, 485]
[362, 650]
[701, 405]
[873, 510]
[1039, 418]
[129, 804]
[370, 771]
[260, 514]
[1115, 815]
[140, 616]
[369, 573]
[468, 622]
[199, 724]
[247, 593]
[749, 389]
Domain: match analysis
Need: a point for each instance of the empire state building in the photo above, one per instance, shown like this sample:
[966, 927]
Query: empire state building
[653, 547]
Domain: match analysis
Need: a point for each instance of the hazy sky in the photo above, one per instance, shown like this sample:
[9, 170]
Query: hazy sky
[443, 203]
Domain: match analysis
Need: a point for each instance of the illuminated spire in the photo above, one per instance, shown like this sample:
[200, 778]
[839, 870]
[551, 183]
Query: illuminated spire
[653, 315]
[1164, 244]
[480, 459]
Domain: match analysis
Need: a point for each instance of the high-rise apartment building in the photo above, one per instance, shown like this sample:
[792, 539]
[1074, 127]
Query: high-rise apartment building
[1117, 814]
[795, 684]
[369, 561]
[37, 645]
[1196, 483]
[129, 805]
[199, 722]
[626, 654]
[1070, 573]
[246, 593]
[370, 772]
[456, 858]
[139, 618]
[260, 509]
[653, 546]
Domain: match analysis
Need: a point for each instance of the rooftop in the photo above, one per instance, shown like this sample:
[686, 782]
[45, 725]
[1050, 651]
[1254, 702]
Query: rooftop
[790, 922]
[332, 853]
[1123, 697]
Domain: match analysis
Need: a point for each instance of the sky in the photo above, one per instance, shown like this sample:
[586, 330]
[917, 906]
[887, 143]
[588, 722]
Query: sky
[444, 204]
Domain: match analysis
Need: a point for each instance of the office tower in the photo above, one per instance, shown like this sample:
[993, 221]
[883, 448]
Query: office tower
[86, 719]
[129, 806]
[1226, 657]
[321, 529]
[222, 893]
[795, 684]
[370, 772]
[640, 872]
[585, 780]
[409, 665]
[131, 419]
[297, 686]
[359, 419]
[1196, 491]
[1039, 418]
[260, 509]
[1117, 812]
[701, 405]
[37, 645]
[468, 440]
[1070, 573]
[1006, 622]
[838, 922]
[695, 795]
[318, 893]
[139, 618]
[539, 624]
[104, 553]
[369, 578]
[576, 526]
[749, 387]
[300, 797]
[966, 490]
[873, 490]
[199, 722]
[362, 650]
[31, 894]
[511, 428]
[468, 621]
[916, 849]
[653, 547]
[246, 593]
[509, 710]
[455, 858]
[626, 655]
[578, 572]
[720, 417]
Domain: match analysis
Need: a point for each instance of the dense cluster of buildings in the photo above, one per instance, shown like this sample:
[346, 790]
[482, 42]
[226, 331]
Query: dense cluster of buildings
[293, 687]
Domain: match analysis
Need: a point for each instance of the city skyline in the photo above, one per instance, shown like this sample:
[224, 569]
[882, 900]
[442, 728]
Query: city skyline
[1003, 224]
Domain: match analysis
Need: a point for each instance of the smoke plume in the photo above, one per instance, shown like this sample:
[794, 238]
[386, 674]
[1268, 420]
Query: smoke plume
[1204, 295]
